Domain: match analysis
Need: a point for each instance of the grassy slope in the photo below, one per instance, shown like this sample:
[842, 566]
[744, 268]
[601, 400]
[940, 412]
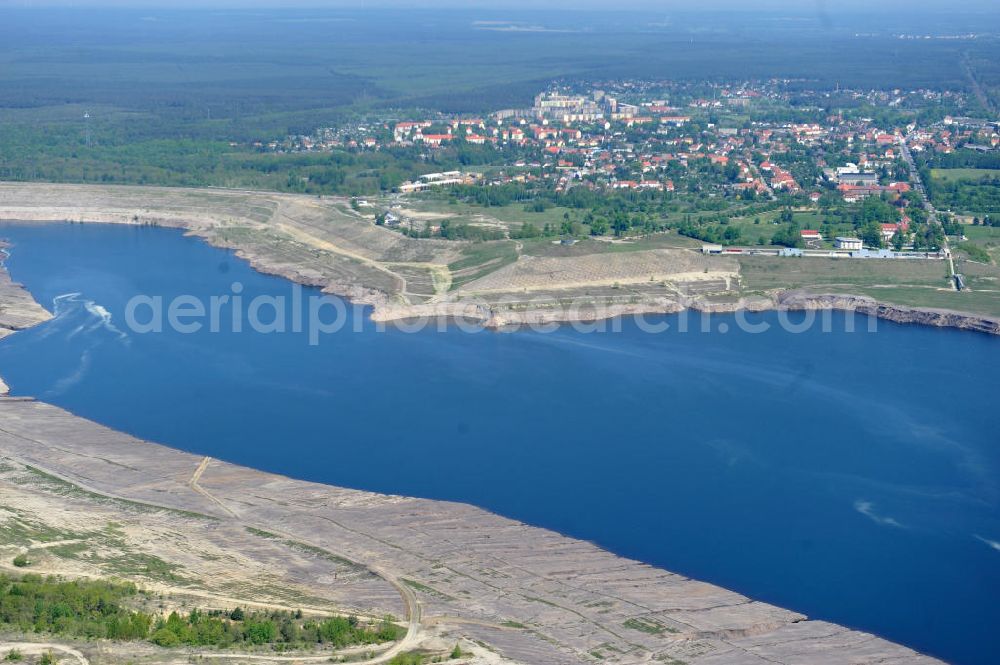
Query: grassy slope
[912, 283]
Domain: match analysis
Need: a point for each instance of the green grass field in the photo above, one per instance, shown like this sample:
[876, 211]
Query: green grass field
[983, 243]
[973, 301]
[912, 283]
[587, 246]
[753, 233]
[509, 216]
[762, 273]
[952, 175]
[983, 235]
[481, 258]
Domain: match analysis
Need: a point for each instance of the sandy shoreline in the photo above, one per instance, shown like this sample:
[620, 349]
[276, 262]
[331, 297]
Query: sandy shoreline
[18, 310]
[384, 311]
[792, 300]
[322, 243]
[528, 594]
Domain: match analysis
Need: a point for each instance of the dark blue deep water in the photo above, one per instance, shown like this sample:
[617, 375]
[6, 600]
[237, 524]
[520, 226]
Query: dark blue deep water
[852, 476]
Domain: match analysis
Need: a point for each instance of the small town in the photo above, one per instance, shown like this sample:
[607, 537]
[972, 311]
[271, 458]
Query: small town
[834, 171]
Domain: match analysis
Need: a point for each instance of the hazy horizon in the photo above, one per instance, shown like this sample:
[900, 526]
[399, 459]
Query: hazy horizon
[707, 6]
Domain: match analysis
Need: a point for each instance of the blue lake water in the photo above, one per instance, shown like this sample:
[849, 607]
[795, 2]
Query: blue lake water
[854, 477]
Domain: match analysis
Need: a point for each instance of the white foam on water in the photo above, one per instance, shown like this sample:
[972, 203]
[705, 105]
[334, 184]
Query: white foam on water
[104, 318]
[61, 308]
[867, 508]
[68, 303]
[69, 381]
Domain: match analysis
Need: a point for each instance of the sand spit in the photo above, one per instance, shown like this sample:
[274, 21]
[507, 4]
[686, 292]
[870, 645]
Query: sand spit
[18, 310]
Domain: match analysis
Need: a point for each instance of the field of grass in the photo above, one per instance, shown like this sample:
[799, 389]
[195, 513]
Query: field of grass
[762, 273]
[755, 234]
[808, 219]
[912, 283]
[982, 235]
[479, 259]
[549, 247]
[951, 175]
[509, 216]
[983, 243]
[975, 302]
[517, 214]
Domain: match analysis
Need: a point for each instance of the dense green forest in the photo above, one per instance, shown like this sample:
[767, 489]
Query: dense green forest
[42, 156]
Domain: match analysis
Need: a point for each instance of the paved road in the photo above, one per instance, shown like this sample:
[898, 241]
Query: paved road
[918, 184]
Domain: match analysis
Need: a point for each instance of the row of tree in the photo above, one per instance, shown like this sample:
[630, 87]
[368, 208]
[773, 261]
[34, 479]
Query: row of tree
[104, 610]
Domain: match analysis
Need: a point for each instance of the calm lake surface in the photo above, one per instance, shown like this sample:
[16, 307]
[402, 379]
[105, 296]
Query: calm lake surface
[854, 477]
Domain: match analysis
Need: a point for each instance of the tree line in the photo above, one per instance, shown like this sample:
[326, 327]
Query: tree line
[105, 610]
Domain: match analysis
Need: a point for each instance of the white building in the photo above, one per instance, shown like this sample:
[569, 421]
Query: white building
[847, 243]
[429, 180]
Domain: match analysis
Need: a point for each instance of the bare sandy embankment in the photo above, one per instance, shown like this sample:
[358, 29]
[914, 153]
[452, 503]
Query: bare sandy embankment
[18, 310]
[324, 243]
